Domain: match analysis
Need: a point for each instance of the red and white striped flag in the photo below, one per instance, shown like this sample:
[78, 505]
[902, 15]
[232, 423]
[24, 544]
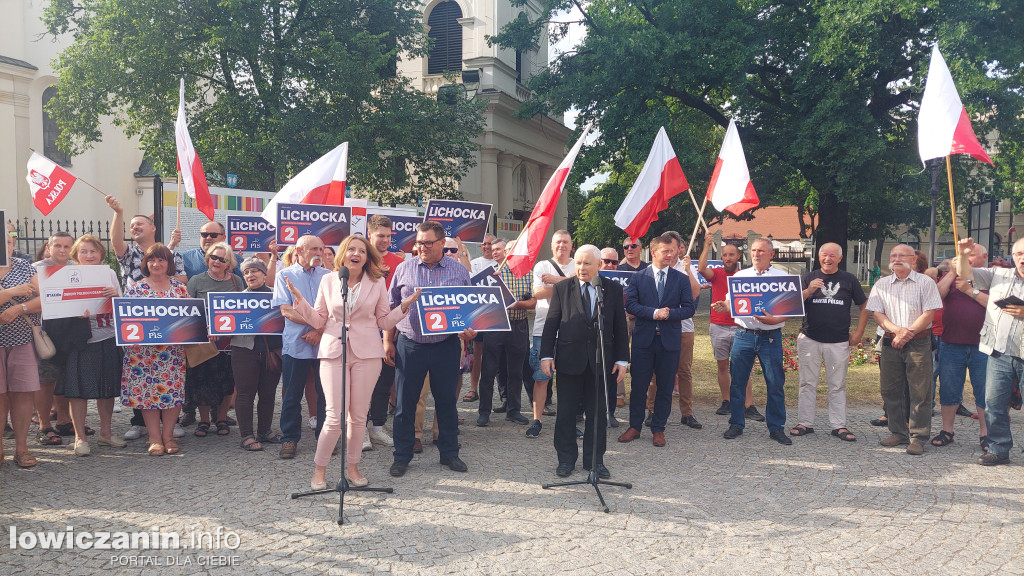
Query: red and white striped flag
[191, 168]
[48, 182]
[943, 127]
[731, 188]
[322, 182]
[660, 179]
[528, 245]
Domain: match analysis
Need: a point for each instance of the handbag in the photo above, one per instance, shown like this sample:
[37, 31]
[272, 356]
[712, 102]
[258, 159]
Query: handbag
[44, 346]
[273, 357]
[196, 354]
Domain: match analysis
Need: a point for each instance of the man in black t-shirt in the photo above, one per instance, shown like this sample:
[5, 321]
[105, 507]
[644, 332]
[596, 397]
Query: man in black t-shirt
[825, 337]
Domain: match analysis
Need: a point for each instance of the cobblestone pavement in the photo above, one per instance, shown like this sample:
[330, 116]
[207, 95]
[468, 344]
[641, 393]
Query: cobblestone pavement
[702, 504]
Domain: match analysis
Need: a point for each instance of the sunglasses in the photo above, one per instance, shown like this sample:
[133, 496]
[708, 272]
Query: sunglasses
[210, 234]
[630, 246]
[609, 261]
[450, 250]
[220, 259]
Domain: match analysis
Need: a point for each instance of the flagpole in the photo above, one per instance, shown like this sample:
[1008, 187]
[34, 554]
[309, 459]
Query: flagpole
[700, 218]
[178, 182]
[952, 201]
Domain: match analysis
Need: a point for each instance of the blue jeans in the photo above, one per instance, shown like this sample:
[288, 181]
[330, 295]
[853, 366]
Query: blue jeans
[1004, 375]
[767, 347]
[413, 362]
[954, 362]
[294, 372]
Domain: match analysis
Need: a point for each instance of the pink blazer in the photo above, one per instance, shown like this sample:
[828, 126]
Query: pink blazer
[370, 314]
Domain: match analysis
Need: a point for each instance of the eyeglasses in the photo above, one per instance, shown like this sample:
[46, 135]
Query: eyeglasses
[13, 234]
[427, 243]
[609, 261]
[220, 259]
[630, 246]
[210, 234]
[450, 250]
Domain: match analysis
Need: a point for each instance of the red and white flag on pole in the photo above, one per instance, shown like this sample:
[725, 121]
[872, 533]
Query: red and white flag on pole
[528, 245]
[943, 127]
[660, 179]
[322, 182]
[192, 175]
[731, 188]
[48, 182]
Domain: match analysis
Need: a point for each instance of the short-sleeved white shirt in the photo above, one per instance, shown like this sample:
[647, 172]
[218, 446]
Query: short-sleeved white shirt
[539, 271]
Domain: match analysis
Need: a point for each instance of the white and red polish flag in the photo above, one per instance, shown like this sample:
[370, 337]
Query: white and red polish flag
[943, 127]
[530, 241]
[731, 188]
[48, 182]
[660, 179]
[191, 168]
[322, 182]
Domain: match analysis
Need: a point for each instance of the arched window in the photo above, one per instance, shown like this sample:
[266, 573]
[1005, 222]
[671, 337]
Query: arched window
[51, 131]
[446, 34]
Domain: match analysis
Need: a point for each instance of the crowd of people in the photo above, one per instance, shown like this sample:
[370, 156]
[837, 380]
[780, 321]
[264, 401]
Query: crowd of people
[933, 324]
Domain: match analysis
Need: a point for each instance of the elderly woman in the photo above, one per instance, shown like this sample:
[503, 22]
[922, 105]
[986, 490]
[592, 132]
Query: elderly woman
[153, 378]
[256, 364]
[19, 374]
[210, 384]
[93, 371]
[368, 313]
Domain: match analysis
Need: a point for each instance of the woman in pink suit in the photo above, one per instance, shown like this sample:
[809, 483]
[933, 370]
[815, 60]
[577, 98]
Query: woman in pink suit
[368, 313]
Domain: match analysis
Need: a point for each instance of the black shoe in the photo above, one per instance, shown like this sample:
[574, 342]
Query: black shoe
[752, 414]
[691, 422]
[534, 430]
[517, 418]
[549, 410]
[602, 472]
[883, 421]
[399, 469]
[500, 409]
[483, 420]
[991, 459]
[579, 434]
[564, 469]
[647, 421]
[724, 409]
[963, 411]
[780, 437]
[455, 464]
[733, 432]
[613, 422]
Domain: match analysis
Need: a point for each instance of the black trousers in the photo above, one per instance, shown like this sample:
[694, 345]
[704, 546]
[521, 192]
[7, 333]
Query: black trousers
[573, 389]
[378, 414]
[513, 346]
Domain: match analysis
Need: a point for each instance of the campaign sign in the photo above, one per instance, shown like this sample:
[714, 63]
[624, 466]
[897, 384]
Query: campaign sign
[243, 313]
[465, 220]
[755, 295]
[159, 321]
[71, 291]
[330, 223]
[488, 277]
[403, 227]
[621, 277]
[452, 309]
[250, 233]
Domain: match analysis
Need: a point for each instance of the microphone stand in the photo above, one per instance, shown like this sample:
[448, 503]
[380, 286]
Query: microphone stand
[343, 486]
[601, 403]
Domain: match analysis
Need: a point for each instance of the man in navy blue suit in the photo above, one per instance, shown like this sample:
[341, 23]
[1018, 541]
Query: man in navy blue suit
[660, 298]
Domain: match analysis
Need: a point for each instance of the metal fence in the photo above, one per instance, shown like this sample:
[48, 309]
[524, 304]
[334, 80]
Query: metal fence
[34, 234]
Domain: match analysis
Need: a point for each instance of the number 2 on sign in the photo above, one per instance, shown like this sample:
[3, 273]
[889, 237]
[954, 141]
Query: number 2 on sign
[743, 306]
[224, 323]
[436, 321]
[131, 332]
[289, 234]
[238, 242]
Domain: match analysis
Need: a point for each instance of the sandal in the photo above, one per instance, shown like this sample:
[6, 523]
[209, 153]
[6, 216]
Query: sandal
[942, 438]
[984, 444]
[844, 434]
[49, 437]
[471, 396]
[69, 429]
[171, 446]
[155, 449]
[222, 428]
[231, 421]
[251, 444]
[269, 438]
[801, 430]
[25, 460]
[202, 429]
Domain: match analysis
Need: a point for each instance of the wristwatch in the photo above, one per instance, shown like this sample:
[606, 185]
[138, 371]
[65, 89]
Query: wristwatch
[24, 309]
[974, 293]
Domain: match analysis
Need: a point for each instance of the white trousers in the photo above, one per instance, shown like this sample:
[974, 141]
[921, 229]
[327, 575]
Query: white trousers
[836, 358]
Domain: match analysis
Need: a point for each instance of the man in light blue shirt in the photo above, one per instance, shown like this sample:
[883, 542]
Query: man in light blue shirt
[299, 354]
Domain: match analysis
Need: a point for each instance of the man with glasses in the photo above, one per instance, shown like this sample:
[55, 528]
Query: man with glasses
[632, 262]
[609, 259]
[419, 355]
[195, 259]
[380, 229]
[904, 304]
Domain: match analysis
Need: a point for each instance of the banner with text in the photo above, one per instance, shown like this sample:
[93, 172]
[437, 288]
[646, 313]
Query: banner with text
[227, 202]
[243, 313]
[330, 223]
[159, 321]
[488, 277]
[250, 233]
[465, 220]
[403, 226]
[776, 295]
[70, 291]
[622, 277]
[452, 309]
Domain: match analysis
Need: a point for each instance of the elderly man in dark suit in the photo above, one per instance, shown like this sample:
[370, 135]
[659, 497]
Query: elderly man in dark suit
[660, 297]
[576, 307]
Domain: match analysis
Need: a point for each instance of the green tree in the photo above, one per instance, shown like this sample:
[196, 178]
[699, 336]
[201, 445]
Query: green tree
[270, 86]
[825, 92]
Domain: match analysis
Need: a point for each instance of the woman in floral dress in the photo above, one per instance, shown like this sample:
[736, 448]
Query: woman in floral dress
[153, 379]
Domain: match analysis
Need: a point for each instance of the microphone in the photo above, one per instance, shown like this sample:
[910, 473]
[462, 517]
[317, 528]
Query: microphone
[598, 288]
[343, 276]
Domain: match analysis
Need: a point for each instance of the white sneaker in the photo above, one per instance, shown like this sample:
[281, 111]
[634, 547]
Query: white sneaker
[367, 445]
[117, 405]
[312, 423]
[135, 432]
[381, 436]
[178, 431]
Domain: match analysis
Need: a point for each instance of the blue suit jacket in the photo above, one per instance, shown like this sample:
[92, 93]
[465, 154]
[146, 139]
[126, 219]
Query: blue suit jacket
[642, 300]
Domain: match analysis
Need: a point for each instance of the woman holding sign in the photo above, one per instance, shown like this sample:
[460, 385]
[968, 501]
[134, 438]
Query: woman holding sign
[368, 313]
[153, 378]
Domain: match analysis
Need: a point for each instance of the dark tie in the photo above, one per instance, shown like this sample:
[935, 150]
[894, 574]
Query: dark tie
[661, 285]
[587, 305]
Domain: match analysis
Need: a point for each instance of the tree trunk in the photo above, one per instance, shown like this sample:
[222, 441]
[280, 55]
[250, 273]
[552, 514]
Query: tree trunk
[832, 224]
